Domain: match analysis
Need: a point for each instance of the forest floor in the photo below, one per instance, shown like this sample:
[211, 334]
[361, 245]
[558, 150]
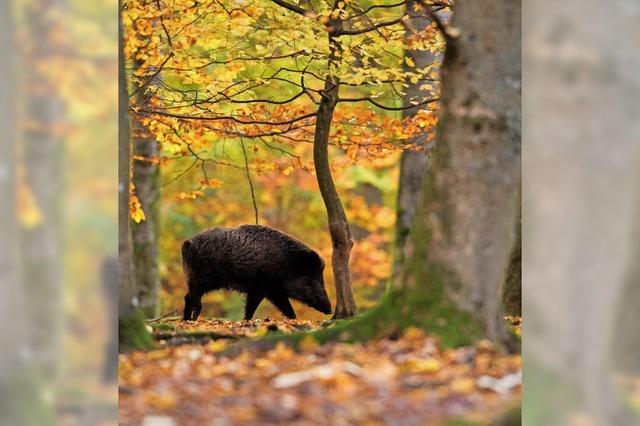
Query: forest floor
[405, 380]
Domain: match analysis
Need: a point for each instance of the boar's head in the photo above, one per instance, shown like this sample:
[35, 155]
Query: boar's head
[307, 284]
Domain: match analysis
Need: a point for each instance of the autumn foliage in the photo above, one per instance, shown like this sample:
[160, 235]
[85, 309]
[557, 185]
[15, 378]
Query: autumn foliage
[230, 92]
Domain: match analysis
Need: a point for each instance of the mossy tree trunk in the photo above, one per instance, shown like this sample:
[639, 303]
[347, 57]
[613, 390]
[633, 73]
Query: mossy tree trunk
[463, 238]
[458, 250]
[145, 233]
[132, 333]
[413, 164]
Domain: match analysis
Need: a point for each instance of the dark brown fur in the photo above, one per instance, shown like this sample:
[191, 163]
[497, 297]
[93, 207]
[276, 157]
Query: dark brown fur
[255, 260]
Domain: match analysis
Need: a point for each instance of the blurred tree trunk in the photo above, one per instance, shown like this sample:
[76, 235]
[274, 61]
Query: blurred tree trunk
[413, 164]
[131, 328]
[43, 156]
[21, 401]
[12, 300]
[580, 254]
[145, 233]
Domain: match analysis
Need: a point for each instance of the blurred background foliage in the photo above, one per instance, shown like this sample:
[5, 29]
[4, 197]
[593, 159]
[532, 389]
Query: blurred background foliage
[289, 201]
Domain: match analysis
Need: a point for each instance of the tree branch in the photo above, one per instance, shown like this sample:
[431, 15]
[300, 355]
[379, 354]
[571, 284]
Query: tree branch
[226, 117]
[246, 168]
[371, 28]
[379, 105]
[292, 7]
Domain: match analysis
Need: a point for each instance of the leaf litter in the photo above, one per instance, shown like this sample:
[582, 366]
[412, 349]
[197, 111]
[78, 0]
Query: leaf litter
[408, 380]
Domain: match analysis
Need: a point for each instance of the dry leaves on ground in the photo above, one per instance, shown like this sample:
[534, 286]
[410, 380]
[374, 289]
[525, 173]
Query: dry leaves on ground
[408, 381]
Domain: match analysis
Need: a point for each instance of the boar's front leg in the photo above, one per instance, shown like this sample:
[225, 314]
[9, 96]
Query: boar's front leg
[188, 308]
[282, 303]
[253, 300]
[192, 306]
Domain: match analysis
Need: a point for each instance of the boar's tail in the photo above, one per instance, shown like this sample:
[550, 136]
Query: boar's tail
[187, 250]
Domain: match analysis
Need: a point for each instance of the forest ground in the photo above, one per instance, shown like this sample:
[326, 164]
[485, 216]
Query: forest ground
[407, 379]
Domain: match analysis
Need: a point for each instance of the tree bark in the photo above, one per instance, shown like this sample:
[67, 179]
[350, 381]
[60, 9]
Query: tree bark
[22, 402]
[131, 328]
[12, 301]
[512, 289]
[43, 157]
[338, 225]
[458, 250]
[145, 233]
[471, 193]
[413, 164]
[128, 297]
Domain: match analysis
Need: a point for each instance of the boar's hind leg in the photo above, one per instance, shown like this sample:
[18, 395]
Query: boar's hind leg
[197, 307]
[253, 300]
[281, 302]
[188, 307]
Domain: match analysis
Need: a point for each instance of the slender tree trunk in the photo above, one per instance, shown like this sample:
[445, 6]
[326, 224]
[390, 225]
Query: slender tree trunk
[43, 156]
[131, 328]
[412, 163]
[338, 224]
[145, 233]
[128, 297]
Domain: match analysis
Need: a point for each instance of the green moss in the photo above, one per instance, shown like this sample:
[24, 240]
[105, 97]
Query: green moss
[423, 285]
[133, 333]
[511, 417]
[22, 401]
[164, 326]
[547, 396]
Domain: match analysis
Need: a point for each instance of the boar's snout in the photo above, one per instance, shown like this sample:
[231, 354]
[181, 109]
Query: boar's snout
[326, 307]
[323, 304]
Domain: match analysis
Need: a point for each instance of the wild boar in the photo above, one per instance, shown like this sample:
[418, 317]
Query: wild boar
[255, 260]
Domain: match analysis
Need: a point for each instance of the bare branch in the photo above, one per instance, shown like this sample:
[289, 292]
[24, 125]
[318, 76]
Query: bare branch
[246, 168]
[371, 28]
[292, 7]
[224, 117]
[379, 105]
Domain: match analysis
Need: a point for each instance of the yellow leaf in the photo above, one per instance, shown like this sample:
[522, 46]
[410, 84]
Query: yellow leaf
[413, 333]
[287, 171]
[409, 61]
[161, 401]
[217, 345]
[463, 385]
[215, 183]
[430, 365]
[135, 209]
[28, 211]
[261, 332]
[308, 343]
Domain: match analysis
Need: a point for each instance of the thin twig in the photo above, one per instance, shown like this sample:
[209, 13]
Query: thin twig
[246, 167]
[172, 313]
